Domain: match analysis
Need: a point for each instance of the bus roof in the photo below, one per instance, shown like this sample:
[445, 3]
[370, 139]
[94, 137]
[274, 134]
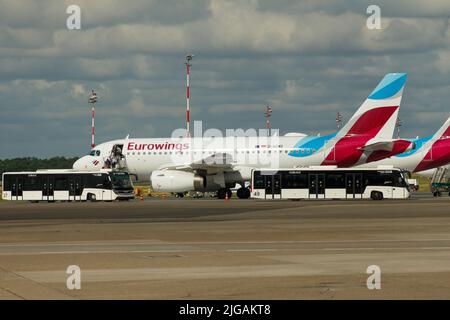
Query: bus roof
[60, 171]
[330, 168]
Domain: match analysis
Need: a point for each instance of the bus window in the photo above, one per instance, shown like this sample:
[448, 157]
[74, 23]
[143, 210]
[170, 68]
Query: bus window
[7, 182]
[61, 183]
[335, 181]
[258, 180]
[378, 179]
[121, 180]
[94, 180]
[294, 180]
[399, 180]
[32, 183]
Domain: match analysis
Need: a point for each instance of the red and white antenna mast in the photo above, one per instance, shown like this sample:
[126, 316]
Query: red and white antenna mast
[267, 114]
[93, 100]
[188, 109]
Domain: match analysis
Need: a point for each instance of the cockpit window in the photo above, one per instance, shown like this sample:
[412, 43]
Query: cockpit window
[92, 153]
[95, 153]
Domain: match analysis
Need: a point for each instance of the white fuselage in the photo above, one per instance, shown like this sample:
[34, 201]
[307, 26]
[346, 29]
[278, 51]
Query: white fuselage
[143, 156]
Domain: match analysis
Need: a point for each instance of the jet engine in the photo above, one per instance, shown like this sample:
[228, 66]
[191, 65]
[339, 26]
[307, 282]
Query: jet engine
[176, 181]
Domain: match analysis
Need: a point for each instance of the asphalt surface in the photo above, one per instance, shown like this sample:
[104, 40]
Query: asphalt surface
[215, 249]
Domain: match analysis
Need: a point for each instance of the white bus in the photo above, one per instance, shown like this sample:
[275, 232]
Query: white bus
[329, 183]
[67, 185]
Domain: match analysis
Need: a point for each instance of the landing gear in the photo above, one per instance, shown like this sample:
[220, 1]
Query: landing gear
[222, 193]
[179, 195]
[243, 193]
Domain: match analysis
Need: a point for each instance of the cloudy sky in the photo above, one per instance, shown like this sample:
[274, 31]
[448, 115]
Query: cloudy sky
[308, 59]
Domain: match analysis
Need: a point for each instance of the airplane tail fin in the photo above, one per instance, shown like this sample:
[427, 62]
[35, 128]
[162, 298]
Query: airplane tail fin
[443, 132]
[377, 116]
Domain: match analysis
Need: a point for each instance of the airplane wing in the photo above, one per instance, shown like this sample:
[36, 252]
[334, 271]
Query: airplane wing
[212, 163]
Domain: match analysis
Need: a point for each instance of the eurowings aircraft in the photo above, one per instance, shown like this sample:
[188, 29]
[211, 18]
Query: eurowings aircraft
[218, 163]
[428, 153]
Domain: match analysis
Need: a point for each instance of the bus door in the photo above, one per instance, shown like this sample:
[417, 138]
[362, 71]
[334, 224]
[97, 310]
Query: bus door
[48, 186]
[273, 186]
[316, 182]
[353, 185]
[75, 188]
[16, 188]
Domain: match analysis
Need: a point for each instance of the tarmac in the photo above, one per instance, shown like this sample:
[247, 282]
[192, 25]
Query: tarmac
[236, 249]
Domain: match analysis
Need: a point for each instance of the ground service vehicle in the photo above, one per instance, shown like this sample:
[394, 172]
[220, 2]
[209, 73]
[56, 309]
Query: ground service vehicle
[67, 185]
[329, 183]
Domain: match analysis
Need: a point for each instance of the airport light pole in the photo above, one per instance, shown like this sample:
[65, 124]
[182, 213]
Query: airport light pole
[188, 109]
[338, 120]
[267, 114]
[398, 124]
[93, 100]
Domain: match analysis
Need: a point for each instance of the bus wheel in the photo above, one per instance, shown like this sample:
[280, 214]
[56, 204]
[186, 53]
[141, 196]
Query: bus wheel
[243, 193]
[91, 197]
[376, 195]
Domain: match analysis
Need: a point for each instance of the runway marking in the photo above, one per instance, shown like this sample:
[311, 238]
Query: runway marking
[215, 249]
[121, 243]
[253, 250]
[292, 265]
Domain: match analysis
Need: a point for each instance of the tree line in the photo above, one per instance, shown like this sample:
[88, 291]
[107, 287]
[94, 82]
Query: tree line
[33, 164]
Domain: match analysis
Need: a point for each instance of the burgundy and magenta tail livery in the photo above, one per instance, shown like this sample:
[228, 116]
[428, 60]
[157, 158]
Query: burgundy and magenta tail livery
[428, 153]
[367, 136]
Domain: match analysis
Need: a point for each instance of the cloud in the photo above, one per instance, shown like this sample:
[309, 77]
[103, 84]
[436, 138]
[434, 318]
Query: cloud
[308, 59]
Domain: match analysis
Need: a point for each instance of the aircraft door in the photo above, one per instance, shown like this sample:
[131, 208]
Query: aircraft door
[116, 158]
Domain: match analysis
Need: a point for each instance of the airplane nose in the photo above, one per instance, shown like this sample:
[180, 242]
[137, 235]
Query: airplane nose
[88, 163]
[78, 165]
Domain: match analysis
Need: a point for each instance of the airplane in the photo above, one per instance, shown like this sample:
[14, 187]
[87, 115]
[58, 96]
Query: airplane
[217, 163]
[429, 153]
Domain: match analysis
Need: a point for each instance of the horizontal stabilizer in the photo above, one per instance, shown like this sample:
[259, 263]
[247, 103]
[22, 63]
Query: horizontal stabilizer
[387, 145]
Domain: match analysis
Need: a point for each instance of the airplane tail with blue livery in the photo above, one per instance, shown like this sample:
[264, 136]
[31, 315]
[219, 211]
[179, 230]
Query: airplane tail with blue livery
[428, 153]
[367, 136]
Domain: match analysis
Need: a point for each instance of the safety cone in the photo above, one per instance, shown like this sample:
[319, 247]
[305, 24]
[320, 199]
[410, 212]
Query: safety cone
[142, 198]
[226, 197]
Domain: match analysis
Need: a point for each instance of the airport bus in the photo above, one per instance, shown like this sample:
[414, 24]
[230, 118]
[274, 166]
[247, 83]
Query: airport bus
[329, 183]
[67, 185]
